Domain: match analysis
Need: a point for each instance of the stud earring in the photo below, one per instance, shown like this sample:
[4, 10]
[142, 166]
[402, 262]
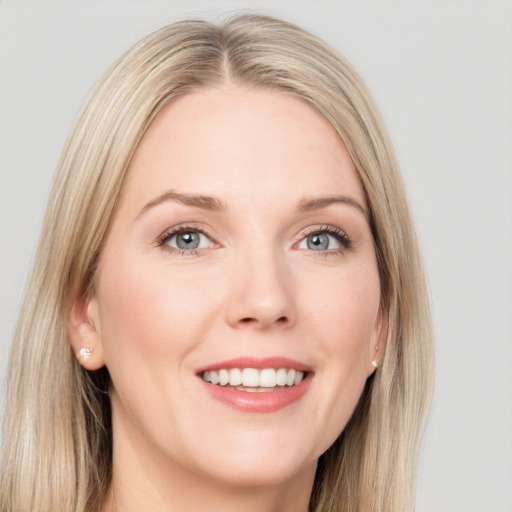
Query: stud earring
[374, 364]
[84, 353]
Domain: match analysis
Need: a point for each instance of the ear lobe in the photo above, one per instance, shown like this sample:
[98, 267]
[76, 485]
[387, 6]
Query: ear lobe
[378, 344]
[84, 333]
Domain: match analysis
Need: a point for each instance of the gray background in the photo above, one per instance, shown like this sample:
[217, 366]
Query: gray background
[441, 72]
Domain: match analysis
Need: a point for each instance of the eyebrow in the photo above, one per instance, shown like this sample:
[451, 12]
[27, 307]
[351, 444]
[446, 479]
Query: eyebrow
[197, 200]
[217, 205]
[307, 205]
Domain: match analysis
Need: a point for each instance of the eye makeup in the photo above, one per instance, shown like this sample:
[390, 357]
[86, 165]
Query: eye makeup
[316, 239]
[189, 240]
[193, 239]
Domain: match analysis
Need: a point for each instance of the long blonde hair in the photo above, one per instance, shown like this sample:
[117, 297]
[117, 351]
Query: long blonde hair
[57, 449]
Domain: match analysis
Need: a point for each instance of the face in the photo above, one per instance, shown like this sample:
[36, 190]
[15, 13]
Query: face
[237, 295]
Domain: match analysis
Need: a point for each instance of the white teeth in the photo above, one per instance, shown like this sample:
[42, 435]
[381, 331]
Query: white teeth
[235, 377]
[281, 376]
[251, 378]
[223, 377]
[268, 378]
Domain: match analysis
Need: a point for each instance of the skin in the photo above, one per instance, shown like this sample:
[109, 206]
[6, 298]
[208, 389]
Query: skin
[253, 288]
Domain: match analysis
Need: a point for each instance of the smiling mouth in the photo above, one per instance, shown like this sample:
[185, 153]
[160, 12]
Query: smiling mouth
[254, 380]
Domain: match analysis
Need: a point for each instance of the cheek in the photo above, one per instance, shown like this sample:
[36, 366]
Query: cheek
[345, 309]
[151, 323]
[346, 317]
[149, 313]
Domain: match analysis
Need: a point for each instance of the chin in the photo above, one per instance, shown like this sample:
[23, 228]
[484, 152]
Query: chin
[261, 472]
[261, 462]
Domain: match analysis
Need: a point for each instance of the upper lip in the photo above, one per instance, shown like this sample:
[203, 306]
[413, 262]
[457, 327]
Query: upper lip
[258, 363]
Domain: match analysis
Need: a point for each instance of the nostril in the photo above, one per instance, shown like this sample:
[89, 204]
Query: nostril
[249, 320]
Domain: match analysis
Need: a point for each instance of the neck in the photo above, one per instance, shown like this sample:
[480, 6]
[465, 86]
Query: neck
[182, 496]
[144, 479]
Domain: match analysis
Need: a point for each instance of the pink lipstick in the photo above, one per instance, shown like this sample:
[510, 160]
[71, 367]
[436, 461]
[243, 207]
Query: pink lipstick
[253, 384]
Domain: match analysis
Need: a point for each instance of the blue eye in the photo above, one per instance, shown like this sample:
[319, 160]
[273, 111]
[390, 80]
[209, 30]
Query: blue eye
[328, 239]
[186, 240]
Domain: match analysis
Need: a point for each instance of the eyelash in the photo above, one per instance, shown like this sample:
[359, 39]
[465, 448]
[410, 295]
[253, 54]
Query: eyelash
[167, 235]
[341, 237]
[344, 240]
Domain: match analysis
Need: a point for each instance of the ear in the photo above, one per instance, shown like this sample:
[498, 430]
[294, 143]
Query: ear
[378, 344]
[84, 332]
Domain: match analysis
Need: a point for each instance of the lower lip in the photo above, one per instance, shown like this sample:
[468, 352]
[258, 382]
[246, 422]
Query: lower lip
[258, 401]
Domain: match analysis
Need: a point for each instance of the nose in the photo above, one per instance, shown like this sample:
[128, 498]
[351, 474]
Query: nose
[262, 292]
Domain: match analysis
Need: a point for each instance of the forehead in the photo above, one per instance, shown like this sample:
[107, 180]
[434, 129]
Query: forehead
[241, 144]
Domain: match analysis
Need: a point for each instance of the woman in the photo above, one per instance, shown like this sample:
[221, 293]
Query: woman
[228, 308]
